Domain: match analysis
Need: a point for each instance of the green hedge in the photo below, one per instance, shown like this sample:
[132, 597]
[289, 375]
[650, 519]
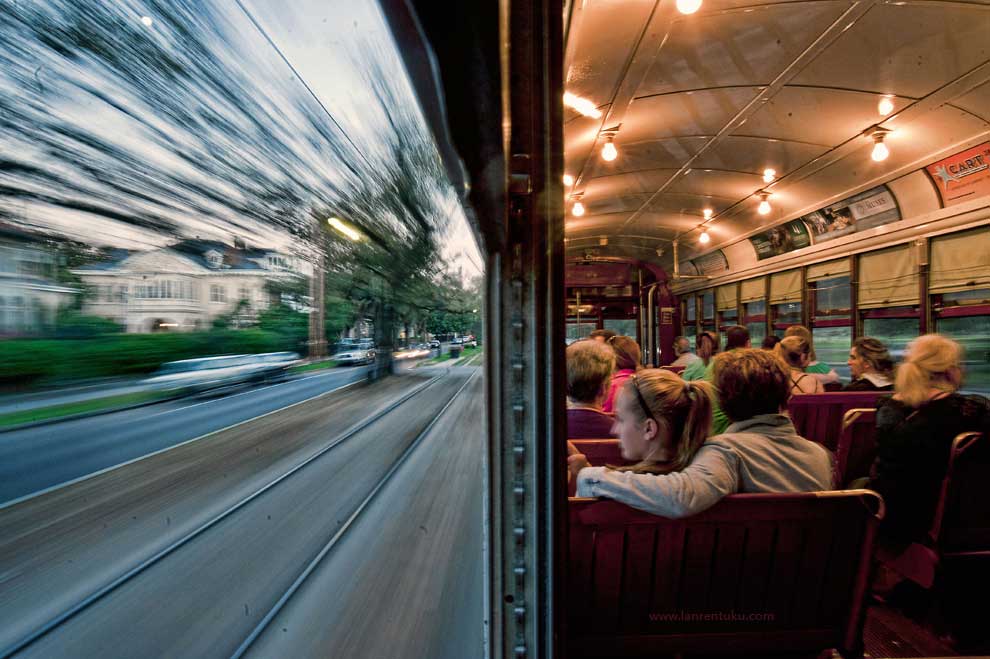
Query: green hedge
[23, 361]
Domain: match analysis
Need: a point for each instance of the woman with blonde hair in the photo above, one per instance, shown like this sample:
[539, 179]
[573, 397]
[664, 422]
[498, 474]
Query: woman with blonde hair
[823, 372]
[627, 354]
[661, 422]
[796, 353]
[915, 429]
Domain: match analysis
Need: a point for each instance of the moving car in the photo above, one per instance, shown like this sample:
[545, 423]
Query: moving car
[355, 352]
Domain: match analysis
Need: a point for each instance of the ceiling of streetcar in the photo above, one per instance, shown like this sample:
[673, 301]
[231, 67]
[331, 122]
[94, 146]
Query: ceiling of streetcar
[698, 106]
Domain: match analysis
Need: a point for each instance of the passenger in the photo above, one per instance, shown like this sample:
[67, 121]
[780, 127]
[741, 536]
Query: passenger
[915, 429]
[796, 352]
[736, 337]
[589, 370]
[602, 335]
[760, 452]
[706, 344]
[823, 372]
[871, 366]
[627, 355]
[682, 348]
[770, 342]
[661, 422]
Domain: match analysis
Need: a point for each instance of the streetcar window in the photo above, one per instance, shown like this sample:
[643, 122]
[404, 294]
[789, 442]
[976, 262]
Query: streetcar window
[895, 332]
[577, 331]
[623, 326]
[832, 322]
[755, 320]
[785, 315]
[965, 317]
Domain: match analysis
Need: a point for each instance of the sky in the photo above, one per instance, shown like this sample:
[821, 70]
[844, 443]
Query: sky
[317, 37]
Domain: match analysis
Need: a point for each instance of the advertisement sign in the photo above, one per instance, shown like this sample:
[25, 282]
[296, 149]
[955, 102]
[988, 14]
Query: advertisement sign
[780, 240]
[866, 210]
[597, 274]
[964, 176]
[710, 264]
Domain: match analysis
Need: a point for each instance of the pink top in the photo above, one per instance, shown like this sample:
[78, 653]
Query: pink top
[618, 379]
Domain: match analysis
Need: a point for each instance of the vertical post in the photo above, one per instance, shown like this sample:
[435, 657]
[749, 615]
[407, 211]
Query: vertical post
[317, 338]
[924, 300]
[526, 376]
[857, 323]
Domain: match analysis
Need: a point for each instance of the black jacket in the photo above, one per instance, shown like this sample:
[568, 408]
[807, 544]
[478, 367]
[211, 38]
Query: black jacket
[913, 455]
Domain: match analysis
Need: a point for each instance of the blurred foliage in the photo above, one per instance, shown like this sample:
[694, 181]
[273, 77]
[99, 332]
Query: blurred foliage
[72, 324]
[27, 360]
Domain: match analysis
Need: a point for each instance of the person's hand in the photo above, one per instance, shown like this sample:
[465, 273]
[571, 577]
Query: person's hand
[575, 463]
[571, 449]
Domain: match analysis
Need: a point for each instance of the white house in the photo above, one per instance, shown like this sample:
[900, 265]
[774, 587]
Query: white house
[184, 286]
[29, 294]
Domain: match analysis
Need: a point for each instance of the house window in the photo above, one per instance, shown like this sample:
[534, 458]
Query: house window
[215, 259]
[218, 293]
[244, 294]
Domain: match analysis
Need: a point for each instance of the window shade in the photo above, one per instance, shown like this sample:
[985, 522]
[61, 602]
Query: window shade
[725, 297]
[753, 290]
[785, 287]
[960, 261]
[888, 278]
[829, 269]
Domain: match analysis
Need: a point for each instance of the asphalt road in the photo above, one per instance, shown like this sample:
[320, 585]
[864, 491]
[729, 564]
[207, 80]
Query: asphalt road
[420, 538]
[37, 458]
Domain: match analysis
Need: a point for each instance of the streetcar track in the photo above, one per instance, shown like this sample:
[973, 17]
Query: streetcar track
[105, 590]
[336, 537]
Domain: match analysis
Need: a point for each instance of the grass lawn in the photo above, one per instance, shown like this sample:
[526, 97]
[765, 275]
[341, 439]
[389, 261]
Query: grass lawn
[314, 366]
[80, 407]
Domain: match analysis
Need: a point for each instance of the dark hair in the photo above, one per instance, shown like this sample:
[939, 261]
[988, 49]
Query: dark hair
[751, 382]
[770, 342]
[699, 343]
[874, 353]
[627, 352]
[736, 336]
[604, 333]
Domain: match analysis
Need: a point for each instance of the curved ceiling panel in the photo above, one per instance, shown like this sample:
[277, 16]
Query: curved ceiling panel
[690, 113]
[709, 182]
[976, 102]
[654, 154]
[755, 154]
[737, 48]
[838, 115]
[605, 34]
[906, 49]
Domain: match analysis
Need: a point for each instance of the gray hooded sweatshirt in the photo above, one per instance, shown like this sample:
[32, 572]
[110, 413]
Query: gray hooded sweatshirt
[761, 454]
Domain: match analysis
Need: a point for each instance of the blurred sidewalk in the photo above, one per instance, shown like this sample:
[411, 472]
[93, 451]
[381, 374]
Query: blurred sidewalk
[70, 394]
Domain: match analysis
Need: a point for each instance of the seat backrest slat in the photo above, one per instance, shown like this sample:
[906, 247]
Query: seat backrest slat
[818, 417]
[857, 447]
[779, 556]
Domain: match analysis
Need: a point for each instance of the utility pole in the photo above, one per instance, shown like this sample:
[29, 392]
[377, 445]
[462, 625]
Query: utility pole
[317, 316]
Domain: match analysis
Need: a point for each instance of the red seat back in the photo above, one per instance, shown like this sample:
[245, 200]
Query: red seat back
[600, 451]
[755, 573]
[962, 519]
[818, 417]
[857, 447]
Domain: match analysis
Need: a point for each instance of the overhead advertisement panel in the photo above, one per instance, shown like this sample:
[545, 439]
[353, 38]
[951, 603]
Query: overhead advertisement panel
[963, 176]
[780, 240]
[866, 210]
[711, 264]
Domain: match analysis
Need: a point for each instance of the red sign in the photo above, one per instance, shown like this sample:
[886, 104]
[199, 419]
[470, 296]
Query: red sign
[964, 176]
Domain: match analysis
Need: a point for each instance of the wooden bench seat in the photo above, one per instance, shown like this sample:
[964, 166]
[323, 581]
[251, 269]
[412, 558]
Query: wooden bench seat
[756, 573]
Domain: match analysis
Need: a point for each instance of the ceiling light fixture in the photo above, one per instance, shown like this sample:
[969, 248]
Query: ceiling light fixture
[568, 180]
[582, 105]
[764, 207]
[603, 241]
[880, 150]
[609, 152]
[704, 238]
[769, 175]
[885, 106]
[577, 210]
[707, 213]
[688, 6]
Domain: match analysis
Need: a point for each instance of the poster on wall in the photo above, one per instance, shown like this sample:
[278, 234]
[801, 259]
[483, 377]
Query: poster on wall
[963, 176]
[780, 240]
[712, 263]
[866, 210]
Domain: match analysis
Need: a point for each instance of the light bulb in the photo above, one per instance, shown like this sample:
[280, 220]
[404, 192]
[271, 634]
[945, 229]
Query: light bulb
[769, 175]
[880, 150]
[885, 106]
[764, 207]
[688, 6]
[578, 209]
[609, 152]
[707, 213]
[704, 238]
[568, 180]
[582, 105]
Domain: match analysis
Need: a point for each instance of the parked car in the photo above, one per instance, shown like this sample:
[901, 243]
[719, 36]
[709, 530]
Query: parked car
[434, 345]
[470, 342]
[195, 376]
[355, 352]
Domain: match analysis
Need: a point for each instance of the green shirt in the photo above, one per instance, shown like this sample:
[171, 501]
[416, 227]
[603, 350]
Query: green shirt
[698, 371]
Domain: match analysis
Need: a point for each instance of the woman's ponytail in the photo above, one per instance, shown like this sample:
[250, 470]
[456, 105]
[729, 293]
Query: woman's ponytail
[697, 423]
